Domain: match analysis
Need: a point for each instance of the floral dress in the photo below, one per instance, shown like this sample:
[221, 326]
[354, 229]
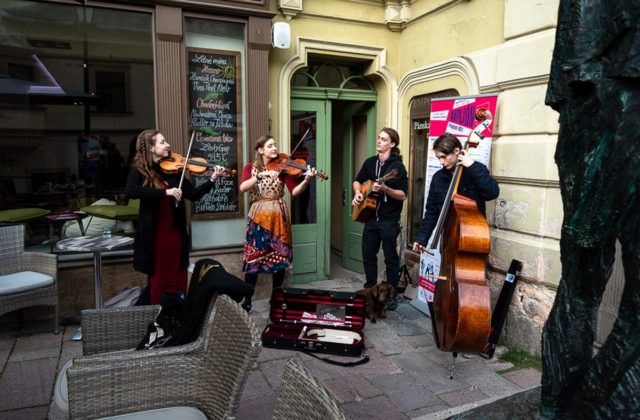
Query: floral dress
[267, 247]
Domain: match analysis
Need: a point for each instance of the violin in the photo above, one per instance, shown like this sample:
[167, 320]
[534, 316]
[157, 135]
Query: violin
[293, 167]
[462, 300]
[196, 166]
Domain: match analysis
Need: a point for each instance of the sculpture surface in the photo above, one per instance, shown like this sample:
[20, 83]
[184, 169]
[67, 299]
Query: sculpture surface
[595, 86]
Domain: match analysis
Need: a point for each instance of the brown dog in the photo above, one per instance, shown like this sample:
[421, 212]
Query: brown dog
[376, 297]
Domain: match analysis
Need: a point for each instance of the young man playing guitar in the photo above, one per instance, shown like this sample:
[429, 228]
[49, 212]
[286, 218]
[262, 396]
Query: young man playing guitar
[384, 225]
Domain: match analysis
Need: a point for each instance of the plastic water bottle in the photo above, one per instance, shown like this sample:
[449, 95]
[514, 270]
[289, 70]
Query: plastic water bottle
[106, 233]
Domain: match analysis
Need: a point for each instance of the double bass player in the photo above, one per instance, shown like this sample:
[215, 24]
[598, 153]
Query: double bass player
[461, 310]
[475, 183]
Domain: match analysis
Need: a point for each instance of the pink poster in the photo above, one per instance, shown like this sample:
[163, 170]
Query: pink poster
[459, 116]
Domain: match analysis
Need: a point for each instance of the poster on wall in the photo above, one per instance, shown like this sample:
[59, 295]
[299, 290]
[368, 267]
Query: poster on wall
[458, 117]
[215, 116]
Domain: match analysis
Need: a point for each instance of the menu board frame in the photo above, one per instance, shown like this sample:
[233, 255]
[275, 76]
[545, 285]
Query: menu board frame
[236, 131]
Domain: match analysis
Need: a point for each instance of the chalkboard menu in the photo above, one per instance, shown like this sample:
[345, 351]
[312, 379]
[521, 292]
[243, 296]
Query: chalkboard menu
[215, 114]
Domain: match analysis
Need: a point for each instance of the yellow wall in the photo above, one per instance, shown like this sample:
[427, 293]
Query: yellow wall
[473, 46]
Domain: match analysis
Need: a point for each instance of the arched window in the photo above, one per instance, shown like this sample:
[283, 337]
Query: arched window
[332, 74]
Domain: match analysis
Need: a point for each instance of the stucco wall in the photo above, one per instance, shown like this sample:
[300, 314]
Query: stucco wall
[477, 46]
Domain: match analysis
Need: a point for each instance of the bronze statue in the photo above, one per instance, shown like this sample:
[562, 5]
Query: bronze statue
[595, 86]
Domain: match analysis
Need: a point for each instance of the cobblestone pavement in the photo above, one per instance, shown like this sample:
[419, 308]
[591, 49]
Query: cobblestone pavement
[406, 377]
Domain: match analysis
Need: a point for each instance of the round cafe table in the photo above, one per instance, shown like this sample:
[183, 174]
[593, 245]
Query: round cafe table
[96, 245]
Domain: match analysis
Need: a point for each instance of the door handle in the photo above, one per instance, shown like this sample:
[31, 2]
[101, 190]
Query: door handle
[344, 197]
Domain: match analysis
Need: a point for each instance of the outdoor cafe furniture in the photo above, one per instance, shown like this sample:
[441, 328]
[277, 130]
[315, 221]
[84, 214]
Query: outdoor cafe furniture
[14, 216]
[202, 379]
[96, 245]
[61, 218]
[117, 212]
[26, 278]
[301, 396]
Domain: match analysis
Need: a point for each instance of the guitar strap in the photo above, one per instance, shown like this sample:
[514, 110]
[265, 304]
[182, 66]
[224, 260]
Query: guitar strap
[378, 172]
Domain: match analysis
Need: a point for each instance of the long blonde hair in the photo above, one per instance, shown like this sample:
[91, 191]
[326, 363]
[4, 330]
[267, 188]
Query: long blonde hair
[143, 161]
[258, 162]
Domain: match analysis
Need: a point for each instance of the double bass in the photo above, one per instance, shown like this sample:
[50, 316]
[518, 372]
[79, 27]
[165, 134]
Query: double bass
[462, 301]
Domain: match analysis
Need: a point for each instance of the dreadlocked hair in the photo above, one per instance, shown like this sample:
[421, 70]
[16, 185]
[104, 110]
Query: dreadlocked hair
[143, 161]
[258, 158]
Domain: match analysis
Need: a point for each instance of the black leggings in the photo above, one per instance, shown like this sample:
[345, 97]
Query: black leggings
[252, 279]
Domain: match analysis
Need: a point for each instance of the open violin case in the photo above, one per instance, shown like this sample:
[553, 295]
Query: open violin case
[321, 321]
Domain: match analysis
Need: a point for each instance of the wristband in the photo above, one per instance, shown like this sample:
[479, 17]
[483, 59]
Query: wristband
[258, 177]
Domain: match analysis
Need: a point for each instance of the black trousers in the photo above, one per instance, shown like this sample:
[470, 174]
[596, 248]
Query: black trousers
[377, 232]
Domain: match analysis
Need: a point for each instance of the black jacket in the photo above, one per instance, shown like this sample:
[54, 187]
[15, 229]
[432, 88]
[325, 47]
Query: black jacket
[147, 215]
[388, 208]
[475, 183]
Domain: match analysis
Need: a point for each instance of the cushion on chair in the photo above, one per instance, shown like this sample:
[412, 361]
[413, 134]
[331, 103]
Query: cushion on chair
[169, 413]
[21, 215]
[23, 281]
[61, 399]
[60, 390]
[112, 212]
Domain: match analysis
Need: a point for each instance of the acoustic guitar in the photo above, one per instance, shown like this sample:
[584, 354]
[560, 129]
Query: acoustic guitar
[367, 207]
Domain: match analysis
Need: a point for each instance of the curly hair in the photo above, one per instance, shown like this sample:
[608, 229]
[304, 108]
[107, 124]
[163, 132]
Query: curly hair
[143, 160]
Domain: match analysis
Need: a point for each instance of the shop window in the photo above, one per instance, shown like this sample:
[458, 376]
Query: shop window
[22, 72]
[111, 90]
[420, 110]
[55, 153]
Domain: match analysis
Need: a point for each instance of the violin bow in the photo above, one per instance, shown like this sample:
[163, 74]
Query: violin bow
[186, 159]
[299, 143]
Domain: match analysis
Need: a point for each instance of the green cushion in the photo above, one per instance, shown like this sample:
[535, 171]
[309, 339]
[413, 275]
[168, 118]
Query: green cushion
[21, 215]
[112, 212]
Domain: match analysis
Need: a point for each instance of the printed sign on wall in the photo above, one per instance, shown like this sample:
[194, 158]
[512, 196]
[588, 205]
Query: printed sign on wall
[458, 117]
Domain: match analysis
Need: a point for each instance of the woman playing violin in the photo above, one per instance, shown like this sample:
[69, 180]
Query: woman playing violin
[161, 246]
[267, 247]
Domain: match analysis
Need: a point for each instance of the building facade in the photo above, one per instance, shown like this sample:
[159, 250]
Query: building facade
[83, 80]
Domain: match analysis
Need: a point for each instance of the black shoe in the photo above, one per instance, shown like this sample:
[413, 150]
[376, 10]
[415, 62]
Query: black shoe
[246, 306]
[368, 285]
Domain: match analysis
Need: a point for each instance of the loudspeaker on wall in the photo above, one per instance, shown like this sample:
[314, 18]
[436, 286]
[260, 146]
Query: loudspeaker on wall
[281, 35]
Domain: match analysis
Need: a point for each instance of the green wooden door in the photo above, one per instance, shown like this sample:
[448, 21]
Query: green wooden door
[310, 210]
[357, 145]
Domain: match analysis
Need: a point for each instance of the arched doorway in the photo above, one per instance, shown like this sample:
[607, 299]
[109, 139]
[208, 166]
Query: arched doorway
[337, 103]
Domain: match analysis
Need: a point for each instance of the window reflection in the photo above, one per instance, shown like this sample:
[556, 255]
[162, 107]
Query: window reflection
[76, 87]
[303, 135]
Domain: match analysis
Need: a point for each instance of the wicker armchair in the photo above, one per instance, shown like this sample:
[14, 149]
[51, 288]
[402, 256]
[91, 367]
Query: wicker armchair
[26, 278]
[302, 397]
[208, 374]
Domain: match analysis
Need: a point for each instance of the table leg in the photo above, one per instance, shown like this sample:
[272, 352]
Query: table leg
[97, 278]
[97, 284]
[81, 226]
[51, 237]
